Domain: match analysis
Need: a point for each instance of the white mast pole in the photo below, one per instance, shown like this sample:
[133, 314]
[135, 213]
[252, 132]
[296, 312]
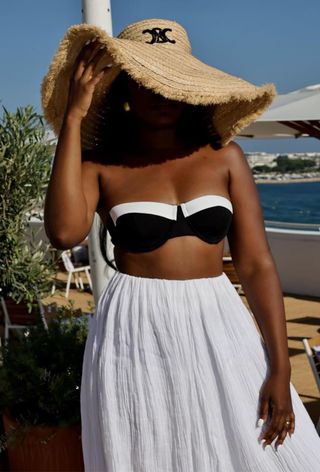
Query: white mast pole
[97, 12]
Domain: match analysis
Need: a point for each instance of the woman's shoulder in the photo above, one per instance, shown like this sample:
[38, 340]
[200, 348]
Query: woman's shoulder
[237, 162]
[232, 154]
[233, 150]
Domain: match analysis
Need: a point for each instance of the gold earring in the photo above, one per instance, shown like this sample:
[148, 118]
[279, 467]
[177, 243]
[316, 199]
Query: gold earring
[126, 106]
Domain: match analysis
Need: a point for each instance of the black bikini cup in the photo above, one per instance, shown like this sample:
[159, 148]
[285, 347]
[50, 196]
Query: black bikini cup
[144, 226]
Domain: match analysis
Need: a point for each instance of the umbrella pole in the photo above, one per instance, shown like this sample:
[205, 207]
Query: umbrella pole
[97, 12]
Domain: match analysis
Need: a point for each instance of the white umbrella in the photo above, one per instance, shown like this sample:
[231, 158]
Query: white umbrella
[292, 115]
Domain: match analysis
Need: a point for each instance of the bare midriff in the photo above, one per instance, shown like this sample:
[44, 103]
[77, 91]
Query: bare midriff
[183, 257]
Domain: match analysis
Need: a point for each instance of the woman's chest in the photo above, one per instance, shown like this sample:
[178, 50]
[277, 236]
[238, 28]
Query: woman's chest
[144, 208]
[171, 183]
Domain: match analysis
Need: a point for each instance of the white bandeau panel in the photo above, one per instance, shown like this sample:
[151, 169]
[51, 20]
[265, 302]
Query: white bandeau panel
[153, 208]
[169, 210]
[206, 201]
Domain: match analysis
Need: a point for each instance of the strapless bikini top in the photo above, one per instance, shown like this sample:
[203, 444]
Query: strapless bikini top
[145, 225]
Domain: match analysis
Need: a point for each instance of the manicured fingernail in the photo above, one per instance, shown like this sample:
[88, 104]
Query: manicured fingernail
[268, 445]
[263, 441]
[87, 42]
[260, 422]
[279, 445]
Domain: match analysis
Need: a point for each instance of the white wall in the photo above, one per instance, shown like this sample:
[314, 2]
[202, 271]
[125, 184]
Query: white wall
[297, 257]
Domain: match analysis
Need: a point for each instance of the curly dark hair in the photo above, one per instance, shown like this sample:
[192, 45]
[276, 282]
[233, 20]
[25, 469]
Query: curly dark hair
[195, 125]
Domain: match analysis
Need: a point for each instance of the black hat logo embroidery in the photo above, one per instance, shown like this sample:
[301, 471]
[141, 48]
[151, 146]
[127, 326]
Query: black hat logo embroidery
[158, 35]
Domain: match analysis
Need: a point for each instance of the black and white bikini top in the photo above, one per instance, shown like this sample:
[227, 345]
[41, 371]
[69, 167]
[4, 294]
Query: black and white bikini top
[145, 225]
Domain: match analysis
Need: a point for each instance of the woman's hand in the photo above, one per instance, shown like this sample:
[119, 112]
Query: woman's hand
[275, 408]
[91, 63]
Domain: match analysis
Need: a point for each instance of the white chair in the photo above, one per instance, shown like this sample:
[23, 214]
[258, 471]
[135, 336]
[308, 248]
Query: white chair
[8, 325]
[74, 271]
[312, 349]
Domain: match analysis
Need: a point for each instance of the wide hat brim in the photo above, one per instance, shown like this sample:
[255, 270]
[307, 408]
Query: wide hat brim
[175, 74]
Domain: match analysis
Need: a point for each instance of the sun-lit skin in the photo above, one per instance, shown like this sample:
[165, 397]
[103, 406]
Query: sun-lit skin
[89, 184]
[166, 164]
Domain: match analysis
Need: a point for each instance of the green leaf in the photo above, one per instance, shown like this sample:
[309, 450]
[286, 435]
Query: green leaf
[25, 166]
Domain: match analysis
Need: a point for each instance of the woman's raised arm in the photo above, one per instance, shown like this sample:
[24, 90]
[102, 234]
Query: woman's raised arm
[73, 191]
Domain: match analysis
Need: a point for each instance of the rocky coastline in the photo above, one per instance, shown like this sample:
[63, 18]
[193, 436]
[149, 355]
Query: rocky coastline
[272, 178]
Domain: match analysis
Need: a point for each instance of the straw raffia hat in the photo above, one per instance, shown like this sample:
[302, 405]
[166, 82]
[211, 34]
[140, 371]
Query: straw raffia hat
[157, 54]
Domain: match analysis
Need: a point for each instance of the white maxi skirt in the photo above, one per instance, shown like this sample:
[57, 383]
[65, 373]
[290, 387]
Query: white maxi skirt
[171, 376]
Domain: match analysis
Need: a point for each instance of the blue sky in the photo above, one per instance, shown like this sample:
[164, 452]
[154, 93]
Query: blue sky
[274, 41]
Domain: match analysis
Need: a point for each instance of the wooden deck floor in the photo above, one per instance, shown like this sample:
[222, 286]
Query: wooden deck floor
[303, 320]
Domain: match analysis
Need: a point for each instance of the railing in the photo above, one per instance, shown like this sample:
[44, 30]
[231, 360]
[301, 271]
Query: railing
[288, 225]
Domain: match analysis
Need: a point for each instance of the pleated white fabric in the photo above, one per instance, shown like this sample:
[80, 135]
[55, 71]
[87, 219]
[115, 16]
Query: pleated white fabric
[171, 376]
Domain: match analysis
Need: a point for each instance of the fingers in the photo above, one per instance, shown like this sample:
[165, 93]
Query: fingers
[83, 57]
[281, 438]
[88, 60]
[277, 427]
[93, 65]
[291, 426]
[263, 409]
[98, 77]
[88, 72]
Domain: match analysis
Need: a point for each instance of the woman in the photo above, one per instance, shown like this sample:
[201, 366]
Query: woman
[176, 376]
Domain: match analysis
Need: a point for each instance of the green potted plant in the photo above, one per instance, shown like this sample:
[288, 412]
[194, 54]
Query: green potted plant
[26, 267]
[40, 380]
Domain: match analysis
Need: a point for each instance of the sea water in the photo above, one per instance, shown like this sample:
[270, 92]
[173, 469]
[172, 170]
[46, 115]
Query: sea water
[296, 202]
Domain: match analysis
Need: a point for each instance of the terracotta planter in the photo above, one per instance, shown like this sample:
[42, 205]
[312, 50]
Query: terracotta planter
[46, 448]
[18, 312]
